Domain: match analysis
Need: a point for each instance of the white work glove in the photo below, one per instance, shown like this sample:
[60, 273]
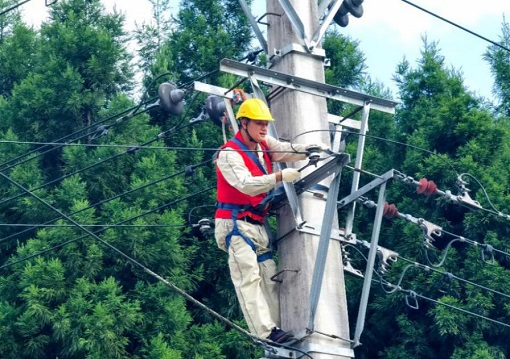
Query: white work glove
[320, 145]
[290, 174]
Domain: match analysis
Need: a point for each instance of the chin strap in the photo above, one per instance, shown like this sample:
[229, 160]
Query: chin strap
[248, 134]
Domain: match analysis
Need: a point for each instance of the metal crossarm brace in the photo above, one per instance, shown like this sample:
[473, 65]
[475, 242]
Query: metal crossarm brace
[307, 86]
[254, 25]
[374, 247]
[368, 187]
[360, 322]
[295, 20]
[357, 164]
[321, 30]
[322, 250]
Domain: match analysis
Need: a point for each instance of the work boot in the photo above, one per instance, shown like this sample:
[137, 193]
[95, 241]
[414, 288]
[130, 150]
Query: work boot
[279, 336]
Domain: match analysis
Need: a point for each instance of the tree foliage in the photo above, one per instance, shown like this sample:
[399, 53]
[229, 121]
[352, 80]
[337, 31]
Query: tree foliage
[114, 189]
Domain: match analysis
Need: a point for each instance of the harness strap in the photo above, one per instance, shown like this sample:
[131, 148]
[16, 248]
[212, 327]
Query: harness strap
[250, 154]
[236, 232]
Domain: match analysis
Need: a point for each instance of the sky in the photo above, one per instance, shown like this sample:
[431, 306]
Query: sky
[388, 32]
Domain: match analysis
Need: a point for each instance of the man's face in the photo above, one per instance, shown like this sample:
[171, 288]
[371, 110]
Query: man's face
[258, 129]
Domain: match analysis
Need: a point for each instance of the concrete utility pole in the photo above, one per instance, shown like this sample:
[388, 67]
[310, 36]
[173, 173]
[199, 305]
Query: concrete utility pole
[297, 112]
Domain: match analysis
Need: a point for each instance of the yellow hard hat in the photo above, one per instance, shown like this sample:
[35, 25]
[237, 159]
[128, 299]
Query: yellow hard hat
[254, 109]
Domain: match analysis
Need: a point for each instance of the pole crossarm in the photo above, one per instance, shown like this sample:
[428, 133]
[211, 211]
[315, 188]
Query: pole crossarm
[327, 169]
[308, 86]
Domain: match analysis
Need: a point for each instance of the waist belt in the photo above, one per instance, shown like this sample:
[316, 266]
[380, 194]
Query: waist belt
[240, 208]
[251, 220]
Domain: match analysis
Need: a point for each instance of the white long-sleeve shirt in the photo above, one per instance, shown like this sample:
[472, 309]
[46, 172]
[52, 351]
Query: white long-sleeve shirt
[231, 165]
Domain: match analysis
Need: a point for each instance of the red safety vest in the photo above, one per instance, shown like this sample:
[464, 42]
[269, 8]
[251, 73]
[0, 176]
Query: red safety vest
[229, 194]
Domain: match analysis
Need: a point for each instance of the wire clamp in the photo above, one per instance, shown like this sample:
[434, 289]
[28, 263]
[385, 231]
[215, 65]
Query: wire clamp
[488, 250]
[411, 300]
[101, 130]
[429, 229]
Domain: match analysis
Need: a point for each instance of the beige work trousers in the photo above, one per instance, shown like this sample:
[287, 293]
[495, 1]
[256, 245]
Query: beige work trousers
[257, 294]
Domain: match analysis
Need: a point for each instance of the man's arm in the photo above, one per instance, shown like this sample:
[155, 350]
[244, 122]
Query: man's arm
[284, 151]
[232, 167]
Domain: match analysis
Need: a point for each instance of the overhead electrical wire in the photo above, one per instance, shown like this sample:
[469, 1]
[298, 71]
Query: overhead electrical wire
[456, 25]
[90, 225]
[132, 260]
[144, 268]
[382, 139]
[128, 146]
[48, 146]
[413, 294]
[103, 229]
[449, 275]
[113, 197]
[130, 150]
[13, 7]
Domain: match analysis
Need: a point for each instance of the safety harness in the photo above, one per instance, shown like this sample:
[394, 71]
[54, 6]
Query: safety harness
[237, 209]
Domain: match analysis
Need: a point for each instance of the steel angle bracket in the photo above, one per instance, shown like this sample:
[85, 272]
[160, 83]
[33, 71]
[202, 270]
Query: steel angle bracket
[278, 352]
[295, 20]
[321, 30]
[366, 188]
[336, 234]
[307, 182]
[348, 122]
[322, 248]
[307, 86]
[254, 25]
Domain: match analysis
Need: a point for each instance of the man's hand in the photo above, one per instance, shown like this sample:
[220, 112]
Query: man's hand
[290, 174]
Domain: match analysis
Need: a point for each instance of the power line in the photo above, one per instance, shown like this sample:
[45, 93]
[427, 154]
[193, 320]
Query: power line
[91, 225]
[128, 146]
[456, 25]
[103, 229]
[130, 150]
[113, 197]
[13, 7]
[146, 269]
[385, 140]
[411, 295]
[48, 145]
[448, 275]
[132, 260]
